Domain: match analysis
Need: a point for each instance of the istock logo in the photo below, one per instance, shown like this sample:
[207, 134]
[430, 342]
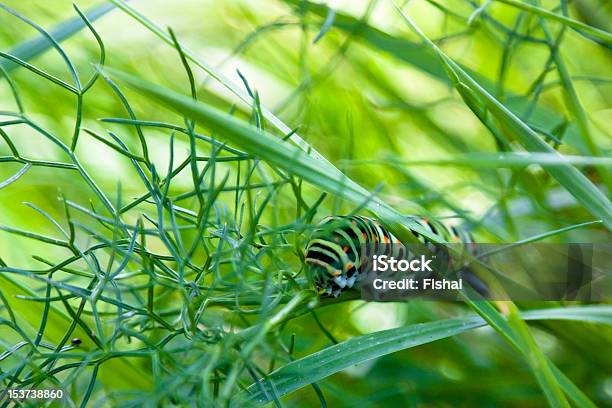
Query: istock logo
[383, 263]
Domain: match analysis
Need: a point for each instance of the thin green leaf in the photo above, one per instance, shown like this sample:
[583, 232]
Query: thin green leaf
[226, 82]
[32, 48]
[537, 360]
[356, 350]
[567, 175]
[285, 156]
[579, 26]
[416, 55]
[496, 160]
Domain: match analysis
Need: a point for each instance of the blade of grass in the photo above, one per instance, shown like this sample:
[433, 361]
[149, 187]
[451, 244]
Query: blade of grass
[338, 357]
[275, 151]
[593, 314]
[495, 160]
[34, 47]
[496, 320]
[579, 26]
[226, 82]
[573, 101]
[537, 360]
[417, 56]
[567, 175]
[539, 237]
[389, 216]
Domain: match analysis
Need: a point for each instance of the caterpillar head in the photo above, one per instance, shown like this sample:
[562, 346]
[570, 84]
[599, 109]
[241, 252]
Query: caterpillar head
[332, 256]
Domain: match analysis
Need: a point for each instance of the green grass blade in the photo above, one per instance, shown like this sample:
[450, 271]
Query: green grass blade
[226, 82]
[593, 314]
[579, 26]
[417, 56]
[496, 160]
[34, 47]
[574, 106]
[500, 324]
[275, 151]
[567, 175]
[537, 360]
[336, 358]
[574, 393]
[389, 216]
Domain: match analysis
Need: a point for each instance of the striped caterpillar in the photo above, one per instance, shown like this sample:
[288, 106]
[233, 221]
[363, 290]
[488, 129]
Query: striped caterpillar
[334, 252]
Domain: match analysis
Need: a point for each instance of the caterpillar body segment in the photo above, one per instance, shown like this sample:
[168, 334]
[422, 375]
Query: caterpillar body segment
[340, 246]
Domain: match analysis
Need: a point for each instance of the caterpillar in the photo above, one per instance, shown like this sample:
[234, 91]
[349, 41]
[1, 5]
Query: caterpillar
[334, 254]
